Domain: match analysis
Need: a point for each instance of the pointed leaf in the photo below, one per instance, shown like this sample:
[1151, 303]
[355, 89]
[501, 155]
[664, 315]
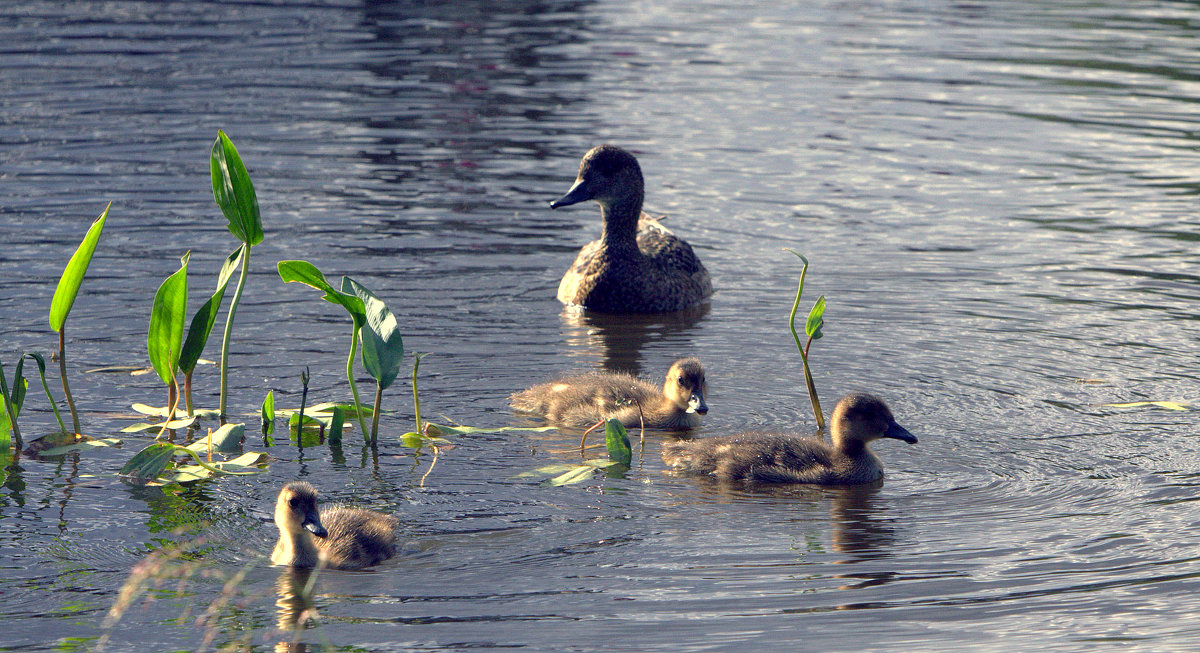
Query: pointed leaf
[234, 192]
[383, 347]
[335, 425]
[202, 322]
[308, 274]
[72, 276]
[226, 439]
[268, 413]
[812, 328]
[148, 463]
[165, 337]
[577, 475]
[617, 441]
[170, 424]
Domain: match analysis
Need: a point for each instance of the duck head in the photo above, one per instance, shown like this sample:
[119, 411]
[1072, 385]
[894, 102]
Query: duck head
[607, 174]
[296, 509]
[862, 418]
[685, 385]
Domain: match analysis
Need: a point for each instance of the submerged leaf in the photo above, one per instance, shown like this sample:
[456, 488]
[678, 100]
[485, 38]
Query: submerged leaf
[84, 445]
[577, 475]
[148, 463]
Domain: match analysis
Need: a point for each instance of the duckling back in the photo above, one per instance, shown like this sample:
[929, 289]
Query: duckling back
[357, 538]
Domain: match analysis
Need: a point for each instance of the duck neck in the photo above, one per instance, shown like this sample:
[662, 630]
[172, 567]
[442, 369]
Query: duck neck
[621, 222]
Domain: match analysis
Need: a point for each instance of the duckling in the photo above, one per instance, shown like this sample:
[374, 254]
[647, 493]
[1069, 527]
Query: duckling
[337, 537]
[787, 458]
[589, 398]
[637, 265]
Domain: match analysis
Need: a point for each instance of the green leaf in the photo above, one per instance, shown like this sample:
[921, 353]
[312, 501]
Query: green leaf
[19, 386]
[336, 422]
[148, 463]
[308, 274]
[1169, 405]
[617, 441]
[226, 439]
[234, 192]
[268, 413]
[812, 328]
[170, 424]
[161, 411]
[204, 319]
[248, 463]
[85, 445]
[72, 276]
[470, 430]
[165, 337]
[383, 347]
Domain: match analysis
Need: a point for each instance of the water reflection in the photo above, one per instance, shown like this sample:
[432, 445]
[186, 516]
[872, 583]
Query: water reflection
[294, 607]
[619, 339]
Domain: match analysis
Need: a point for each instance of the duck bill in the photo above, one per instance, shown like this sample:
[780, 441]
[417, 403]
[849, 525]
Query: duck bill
[312, 522]
[578, 193]
[897, 432]
[696, 404]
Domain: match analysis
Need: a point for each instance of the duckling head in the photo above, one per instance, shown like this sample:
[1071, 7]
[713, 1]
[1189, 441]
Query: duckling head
[860, 418]
[685, 385]
[608, 175]
[296, 509]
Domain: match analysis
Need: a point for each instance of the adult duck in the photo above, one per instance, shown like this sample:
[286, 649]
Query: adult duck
[637, 265]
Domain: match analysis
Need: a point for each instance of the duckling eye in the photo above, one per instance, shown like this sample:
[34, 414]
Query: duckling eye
[293, 502]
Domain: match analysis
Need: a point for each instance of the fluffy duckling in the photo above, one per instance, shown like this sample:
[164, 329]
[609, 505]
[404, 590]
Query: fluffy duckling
[784, 458]
[637, 265]
[589, 398]
[337, 537]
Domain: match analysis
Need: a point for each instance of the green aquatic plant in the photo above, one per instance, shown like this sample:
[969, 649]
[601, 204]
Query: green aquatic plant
[234, 193]
[620, 458]
[267, 411]
[64, 299]
[13, 400]
[164, 339]
[155, 465]
[812, 329]
[202, 324]
[382, 348]
[308, 274]
[427, 434]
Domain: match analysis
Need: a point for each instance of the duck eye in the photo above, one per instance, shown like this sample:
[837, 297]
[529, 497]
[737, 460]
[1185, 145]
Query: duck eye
[293, 502]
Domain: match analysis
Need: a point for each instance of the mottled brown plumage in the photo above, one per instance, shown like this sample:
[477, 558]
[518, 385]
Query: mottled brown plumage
[788, 458]
[336, 537]
[589, 398]
[637, 265]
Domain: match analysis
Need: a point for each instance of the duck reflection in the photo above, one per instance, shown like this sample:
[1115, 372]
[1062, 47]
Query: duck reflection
[619, 339]
[294, 607]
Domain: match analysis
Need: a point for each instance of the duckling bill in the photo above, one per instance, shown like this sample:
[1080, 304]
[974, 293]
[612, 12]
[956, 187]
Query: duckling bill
[335, 536]
[586, 399]
[858, 419]
[637, 265]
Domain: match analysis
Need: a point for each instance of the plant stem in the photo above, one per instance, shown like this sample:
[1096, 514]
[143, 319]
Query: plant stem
[417, 399]
[233, 304]
[46, 388]
[303, 401]
[62, 373]
[375, 414]
[812, 389]
[172, 406]
[362, 423]
[187, 393]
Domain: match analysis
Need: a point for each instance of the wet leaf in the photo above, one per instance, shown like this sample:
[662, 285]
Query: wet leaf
[245, 464]
[72, 276]
[267, 413]
[1169, 405]
[148, 463]
[812, 328]
[336, 422]
[226, 439]
[171, 425]
[616, 439]
[468, 430]
[234, 192]
[577, 475]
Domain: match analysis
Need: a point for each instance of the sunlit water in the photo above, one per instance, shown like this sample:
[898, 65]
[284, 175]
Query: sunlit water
[997, 198]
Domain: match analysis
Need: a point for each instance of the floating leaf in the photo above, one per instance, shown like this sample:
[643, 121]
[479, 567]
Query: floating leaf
[577, 475]
[170, 425]
[165, 336]
[242, 465]
[161, 411]
[85, 445]
[72, 276]
[234, 192]
[469, 430]
[226, 439]
[148, 463]
[1169, 405]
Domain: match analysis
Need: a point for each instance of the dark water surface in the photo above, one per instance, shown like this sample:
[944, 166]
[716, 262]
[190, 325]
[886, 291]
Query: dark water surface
[998, 199]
